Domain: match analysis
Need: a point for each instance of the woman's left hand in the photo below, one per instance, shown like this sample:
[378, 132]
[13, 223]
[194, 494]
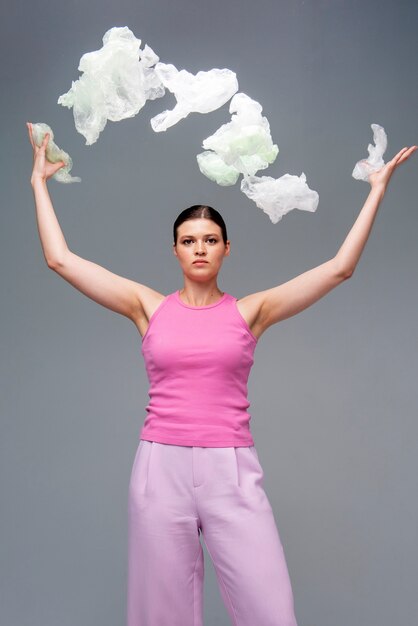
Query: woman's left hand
[381, 177]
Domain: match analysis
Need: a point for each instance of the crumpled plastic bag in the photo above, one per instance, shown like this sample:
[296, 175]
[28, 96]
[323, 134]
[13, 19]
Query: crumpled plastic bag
[374, 162]
[199, 93]
[276, 197]
[117, 80]
[54, 154]
[242, 146]
[215, 168]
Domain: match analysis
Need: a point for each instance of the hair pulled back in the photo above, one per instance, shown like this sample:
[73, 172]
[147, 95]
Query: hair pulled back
[200, 211]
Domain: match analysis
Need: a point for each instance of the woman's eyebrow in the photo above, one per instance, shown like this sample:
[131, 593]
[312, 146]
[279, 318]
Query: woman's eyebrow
[207, 235]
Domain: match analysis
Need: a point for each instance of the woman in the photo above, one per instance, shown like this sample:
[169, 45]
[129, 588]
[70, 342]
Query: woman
[196, 469]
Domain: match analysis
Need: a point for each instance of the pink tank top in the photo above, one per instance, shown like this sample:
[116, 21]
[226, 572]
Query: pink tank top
[198, 359]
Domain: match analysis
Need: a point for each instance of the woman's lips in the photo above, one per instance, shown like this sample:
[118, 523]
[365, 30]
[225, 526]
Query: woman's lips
[199, 262]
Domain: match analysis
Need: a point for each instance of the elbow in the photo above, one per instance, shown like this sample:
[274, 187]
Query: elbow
[347, 274]
[344, 272]
[52, 264]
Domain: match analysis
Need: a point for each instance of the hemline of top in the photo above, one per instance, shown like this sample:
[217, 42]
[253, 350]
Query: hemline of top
[180, 441]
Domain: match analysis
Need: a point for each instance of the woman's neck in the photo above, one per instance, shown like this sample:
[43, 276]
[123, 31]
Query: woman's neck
[200, 295]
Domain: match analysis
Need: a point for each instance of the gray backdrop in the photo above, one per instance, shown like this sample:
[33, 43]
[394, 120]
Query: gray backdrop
[333, 390]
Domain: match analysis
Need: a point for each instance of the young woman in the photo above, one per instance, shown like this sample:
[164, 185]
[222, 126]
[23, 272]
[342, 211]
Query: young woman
[196, 469]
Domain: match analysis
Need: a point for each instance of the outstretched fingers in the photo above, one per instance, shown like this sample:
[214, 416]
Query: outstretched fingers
[407, 154]
[403, 154]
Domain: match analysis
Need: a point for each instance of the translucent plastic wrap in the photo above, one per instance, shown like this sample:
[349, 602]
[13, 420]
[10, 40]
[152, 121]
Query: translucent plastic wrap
[117, 80]
[374, 161]
[242, 146]
[200, 93]
[276, 197]
[54, 154]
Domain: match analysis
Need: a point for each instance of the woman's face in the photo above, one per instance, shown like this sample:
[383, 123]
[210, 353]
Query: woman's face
[200, 239]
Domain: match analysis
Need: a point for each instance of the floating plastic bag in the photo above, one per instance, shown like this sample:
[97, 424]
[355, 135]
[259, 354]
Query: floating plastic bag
[242, 146]
[276, 197]
[115, 84]
[200, 93]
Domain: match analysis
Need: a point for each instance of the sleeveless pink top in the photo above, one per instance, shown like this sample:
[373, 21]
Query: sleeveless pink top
[198, 360]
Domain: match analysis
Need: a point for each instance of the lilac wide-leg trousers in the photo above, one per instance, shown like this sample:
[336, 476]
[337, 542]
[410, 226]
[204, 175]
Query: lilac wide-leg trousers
[177, 493]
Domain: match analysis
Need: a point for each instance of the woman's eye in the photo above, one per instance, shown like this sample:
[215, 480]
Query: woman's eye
[213, 239]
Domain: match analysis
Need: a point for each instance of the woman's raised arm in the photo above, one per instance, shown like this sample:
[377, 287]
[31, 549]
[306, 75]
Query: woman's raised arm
[273, 305]
[119, 294]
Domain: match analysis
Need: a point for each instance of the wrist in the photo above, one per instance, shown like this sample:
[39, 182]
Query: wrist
[37, 180]
[379, 188]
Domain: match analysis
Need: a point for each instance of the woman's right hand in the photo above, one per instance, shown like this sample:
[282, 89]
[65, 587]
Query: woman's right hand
[42, 168]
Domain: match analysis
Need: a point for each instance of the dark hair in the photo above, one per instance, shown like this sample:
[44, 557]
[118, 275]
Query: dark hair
[199, 211]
